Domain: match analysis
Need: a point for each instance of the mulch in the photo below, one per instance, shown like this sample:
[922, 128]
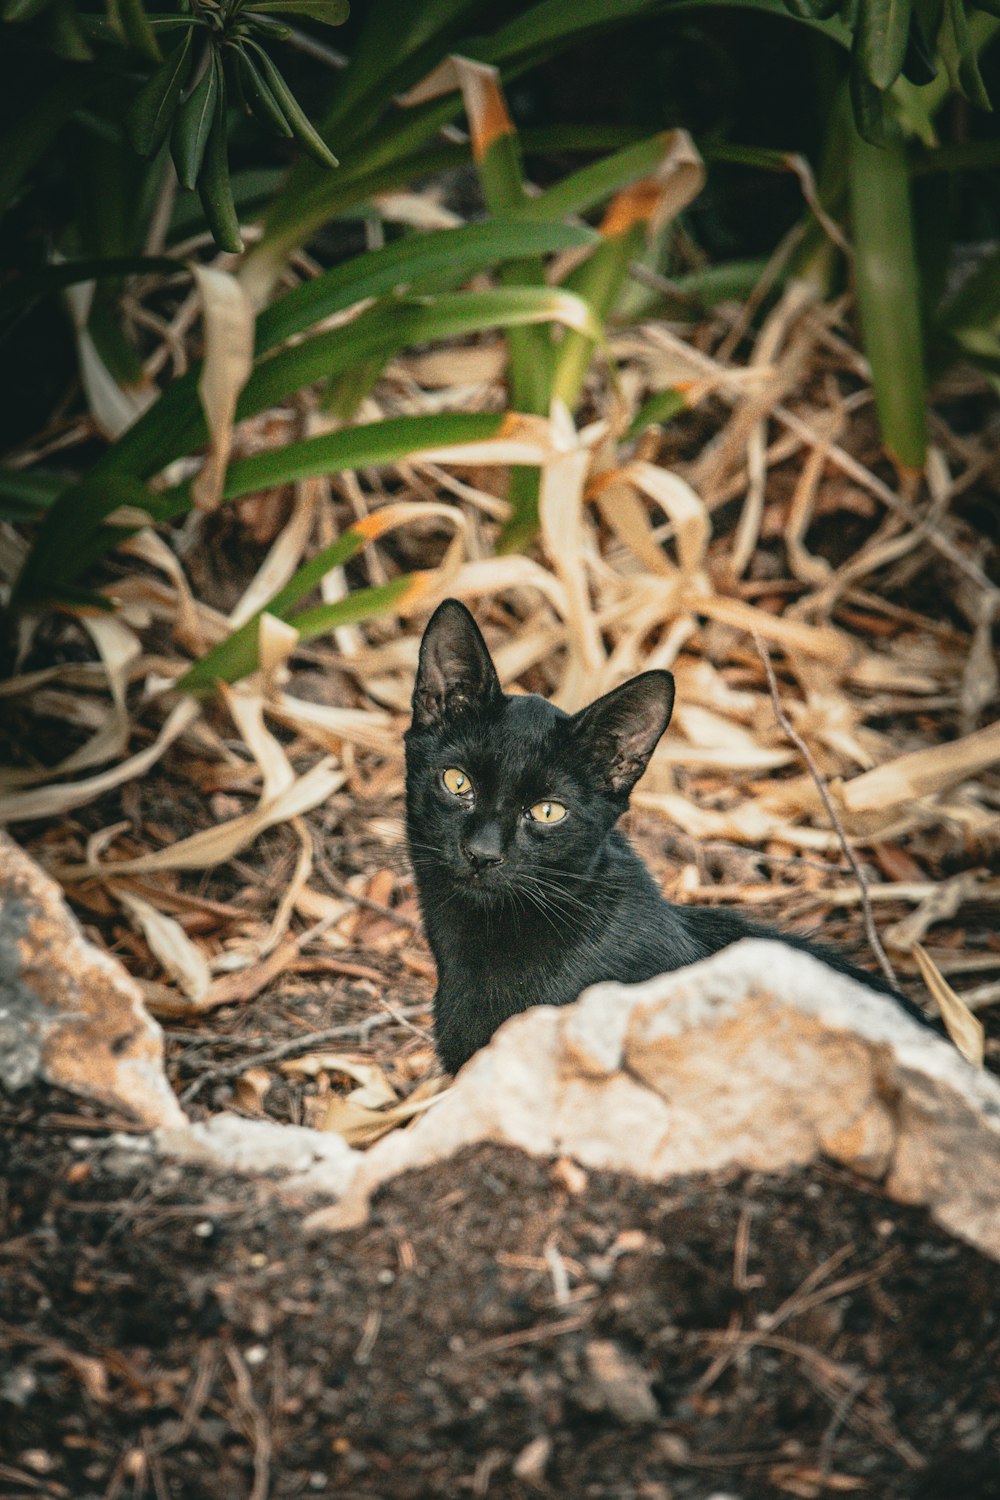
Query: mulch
[176, 1334]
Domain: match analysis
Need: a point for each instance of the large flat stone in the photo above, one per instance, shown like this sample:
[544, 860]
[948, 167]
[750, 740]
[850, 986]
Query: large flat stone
[70, 1015]
[760, 1057]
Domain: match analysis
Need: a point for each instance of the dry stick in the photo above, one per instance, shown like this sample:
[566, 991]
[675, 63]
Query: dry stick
[831, 811]
[297, 1044]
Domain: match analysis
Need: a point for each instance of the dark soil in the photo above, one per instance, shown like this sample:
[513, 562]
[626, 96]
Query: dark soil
[175, 1334]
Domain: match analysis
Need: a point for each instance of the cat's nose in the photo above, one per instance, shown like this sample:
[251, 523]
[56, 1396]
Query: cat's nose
[483, 849]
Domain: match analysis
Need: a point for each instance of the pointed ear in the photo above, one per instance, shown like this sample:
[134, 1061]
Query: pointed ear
[619, 732]
[455, 671]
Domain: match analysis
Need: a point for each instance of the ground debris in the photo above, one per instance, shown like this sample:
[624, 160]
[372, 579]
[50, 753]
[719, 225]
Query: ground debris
[396, 1358]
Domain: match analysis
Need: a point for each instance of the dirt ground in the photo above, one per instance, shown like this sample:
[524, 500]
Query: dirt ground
[738, 1336]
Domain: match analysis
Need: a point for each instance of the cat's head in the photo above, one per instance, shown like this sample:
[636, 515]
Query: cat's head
[505, 792]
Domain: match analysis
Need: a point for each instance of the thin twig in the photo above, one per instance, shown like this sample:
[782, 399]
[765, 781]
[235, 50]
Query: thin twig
[359, 1030]
[831, 811]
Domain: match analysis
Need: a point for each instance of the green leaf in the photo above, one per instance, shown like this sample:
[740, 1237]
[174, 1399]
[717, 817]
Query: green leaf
[153, 108]
[33, 284]
[275, 31]
[138, 33]
[883, 28]
[214, 187]
[387, 328]
[813, 10]
[193, 124]
[887, 283]
[23, 10]
[365, 446]
[237, 656]
[74, 538]
[961, 55]
[869, 106]
[330, 12]
[919, 66]
[26, 493]
[260, 100]
[661, 406]
[410, 263]
[67, 36]
[307, 134]
[976, 302]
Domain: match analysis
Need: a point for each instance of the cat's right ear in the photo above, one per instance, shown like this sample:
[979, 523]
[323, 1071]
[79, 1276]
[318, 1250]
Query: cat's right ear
[619, 732]
[455, 671]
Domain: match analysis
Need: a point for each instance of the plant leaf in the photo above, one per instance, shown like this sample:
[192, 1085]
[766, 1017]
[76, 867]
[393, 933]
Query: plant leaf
[228, 319]
[153, 108]
[330, 12]
[193, 124]
[138, 33]
[882, 30]
[259, 97]
[307, 134]
[214, 186]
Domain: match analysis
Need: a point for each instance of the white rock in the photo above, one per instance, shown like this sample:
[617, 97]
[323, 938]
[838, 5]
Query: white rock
[310, 1161]
[760, 1057]
[69, 1012]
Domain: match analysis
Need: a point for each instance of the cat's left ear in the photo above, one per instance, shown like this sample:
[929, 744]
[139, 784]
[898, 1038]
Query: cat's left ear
[455, 671]
[619, 732]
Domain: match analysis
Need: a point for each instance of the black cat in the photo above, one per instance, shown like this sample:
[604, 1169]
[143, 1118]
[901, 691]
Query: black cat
[528, 891]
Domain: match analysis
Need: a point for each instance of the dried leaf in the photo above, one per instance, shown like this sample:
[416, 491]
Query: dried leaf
[229, 336]
[169, 943]
[922, 773]
[251, 1089]
[62, 797]
[965, 1029]
[213, 846]
[247, 709]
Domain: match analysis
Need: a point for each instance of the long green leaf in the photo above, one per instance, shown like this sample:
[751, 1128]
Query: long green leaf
[888, 293]
[330, 12]
[214, 187]
[386, 329]
[193, 123]
[152, 110]
[237, 656]
[175, 424]
[361, 447]
[43, 280]
[883, 26]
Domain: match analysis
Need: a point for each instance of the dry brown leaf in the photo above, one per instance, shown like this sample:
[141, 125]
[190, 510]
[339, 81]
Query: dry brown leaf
[251, 1089]
[169, 943]
[113, 406]
[188, 626]
[229, 334]
[330, 726]
[213, 846]
[290, 896]
[374, 1090]
[360, 1126]
[965, 1029]
[937, 905]
[246, 706]
[119, 649]
[922, 773]
[563, 537]
[52, 801]
[285, 552]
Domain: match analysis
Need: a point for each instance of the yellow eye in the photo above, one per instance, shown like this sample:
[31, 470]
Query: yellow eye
[547, 812]
[457, 782]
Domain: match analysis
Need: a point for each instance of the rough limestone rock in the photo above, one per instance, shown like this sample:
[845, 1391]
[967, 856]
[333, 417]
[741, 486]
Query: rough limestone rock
[69, 1013]
[308, 1161]
[760, 1057]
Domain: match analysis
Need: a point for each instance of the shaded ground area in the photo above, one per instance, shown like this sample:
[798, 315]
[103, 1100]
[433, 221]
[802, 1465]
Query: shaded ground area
[494, 1330]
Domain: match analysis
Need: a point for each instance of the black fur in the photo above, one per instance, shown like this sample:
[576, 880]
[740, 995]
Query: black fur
[520, 913]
